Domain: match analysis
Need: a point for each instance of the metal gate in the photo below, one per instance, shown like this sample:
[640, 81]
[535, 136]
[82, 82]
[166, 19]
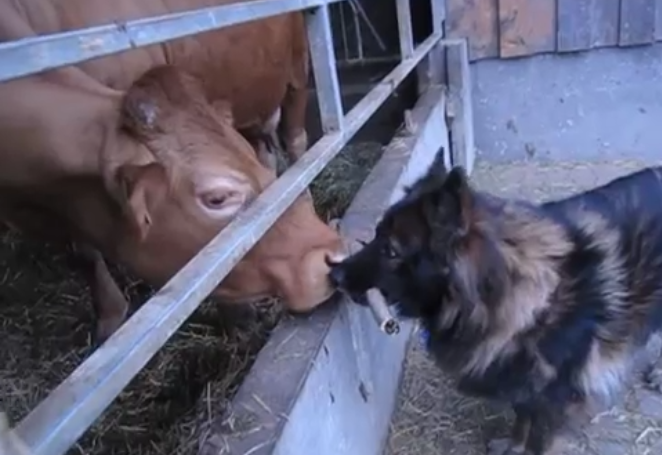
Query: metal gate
[59, 420]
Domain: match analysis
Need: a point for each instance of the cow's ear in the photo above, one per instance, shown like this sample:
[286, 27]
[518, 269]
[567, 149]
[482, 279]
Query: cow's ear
[223, 109]
[142, 189]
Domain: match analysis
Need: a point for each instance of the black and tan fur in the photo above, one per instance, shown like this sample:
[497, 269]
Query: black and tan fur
[539, 306]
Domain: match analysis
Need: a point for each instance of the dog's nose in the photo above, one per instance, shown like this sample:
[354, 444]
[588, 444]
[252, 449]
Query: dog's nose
[337, 276]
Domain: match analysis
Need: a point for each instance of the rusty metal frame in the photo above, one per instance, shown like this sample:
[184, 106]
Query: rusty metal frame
[60, 419]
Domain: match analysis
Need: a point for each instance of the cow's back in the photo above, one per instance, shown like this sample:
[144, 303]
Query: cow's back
[249, 64]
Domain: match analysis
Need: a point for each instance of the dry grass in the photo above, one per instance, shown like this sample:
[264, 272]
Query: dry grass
[45, 317]
[431, 413]
[433, 418]
[336, 186]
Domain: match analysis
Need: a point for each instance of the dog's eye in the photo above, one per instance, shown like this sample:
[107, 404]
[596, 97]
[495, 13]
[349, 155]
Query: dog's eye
[389, 251]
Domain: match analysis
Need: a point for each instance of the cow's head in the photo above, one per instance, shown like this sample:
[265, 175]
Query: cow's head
[198, 174]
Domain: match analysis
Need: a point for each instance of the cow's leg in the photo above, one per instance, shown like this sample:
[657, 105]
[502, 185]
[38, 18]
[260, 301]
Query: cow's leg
[293, 124]
[108, 301]
[271, 142]
[270, 132]
[264, 153]
[265, 141]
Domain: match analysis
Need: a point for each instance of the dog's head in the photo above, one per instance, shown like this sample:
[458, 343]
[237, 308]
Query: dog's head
[430, 254]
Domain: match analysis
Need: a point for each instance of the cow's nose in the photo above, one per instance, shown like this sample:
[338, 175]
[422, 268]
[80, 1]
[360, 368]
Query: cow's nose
[337, 275]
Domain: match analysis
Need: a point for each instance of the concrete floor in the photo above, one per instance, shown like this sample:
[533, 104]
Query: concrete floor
[433, 419]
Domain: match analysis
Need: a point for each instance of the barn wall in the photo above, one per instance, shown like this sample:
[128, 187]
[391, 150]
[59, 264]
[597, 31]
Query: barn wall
[519, 28]
[602, 104]
[563, 79]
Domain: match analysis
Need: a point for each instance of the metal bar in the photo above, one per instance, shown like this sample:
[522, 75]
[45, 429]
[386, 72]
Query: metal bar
[60, 419]
[432, 71]
[318, 25]
[36, 54]
[357, 31]
[351, 62]
[358, 7]
[405, 28]
[343, 30]
[438, 15]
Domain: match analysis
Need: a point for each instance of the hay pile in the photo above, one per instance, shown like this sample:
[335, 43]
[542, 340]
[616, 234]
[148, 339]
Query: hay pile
[45, 317]
[335, 187]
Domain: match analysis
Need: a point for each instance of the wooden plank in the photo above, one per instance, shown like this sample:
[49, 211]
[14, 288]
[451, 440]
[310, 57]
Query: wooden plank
[637, 24]
[587, 24]
[432, 69]
[574, 33]
[658, 20]
[476, 20]
[527, 27]
[605, 15]
[460, 105]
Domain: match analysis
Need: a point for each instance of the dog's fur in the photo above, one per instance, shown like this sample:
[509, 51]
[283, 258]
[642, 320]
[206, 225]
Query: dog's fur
[539, 306]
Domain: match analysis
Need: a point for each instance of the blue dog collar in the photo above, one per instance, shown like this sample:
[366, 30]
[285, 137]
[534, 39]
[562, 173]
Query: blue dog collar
[424, 336]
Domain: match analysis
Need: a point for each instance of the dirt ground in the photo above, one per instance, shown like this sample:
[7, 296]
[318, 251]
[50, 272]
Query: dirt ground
[45, 317]
[433, 419]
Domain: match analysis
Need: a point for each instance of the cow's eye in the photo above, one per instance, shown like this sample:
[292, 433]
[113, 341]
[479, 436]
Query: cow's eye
[221, 199]
[214, 201]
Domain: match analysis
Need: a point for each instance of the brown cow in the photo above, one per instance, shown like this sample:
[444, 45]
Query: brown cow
[138, 157]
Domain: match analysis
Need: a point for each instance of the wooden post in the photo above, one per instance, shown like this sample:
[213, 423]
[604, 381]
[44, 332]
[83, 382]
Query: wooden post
[460, 104]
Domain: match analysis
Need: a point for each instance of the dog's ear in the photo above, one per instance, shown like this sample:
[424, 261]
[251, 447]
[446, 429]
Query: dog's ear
[438, 167]
[457, 180]
[457, 200]
[435, 175]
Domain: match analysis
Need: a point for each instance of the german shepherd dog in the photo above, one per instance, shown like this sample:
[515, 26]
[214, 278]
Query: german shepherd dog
[543, 307]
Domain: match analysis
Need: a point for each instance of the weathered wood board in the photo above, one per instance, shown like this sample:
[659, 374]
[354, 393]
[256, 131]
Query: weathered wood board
[526, 27]
[587, 24]
[637, 25]
[517, 28]
[476, 20]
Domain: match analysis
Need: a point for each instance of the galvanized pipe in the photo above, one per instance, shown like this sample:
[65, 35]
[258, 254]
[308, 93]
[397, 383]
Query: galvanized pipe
[36, 54]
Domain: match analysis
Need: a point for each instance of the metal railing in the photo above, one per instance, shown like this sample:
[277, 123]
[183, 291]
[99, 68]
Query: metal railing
[59, 420]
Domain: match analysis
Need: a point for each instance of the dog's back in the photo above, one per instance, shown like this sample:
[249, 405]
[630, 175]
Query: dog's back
[637, 194]
[626, 212]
